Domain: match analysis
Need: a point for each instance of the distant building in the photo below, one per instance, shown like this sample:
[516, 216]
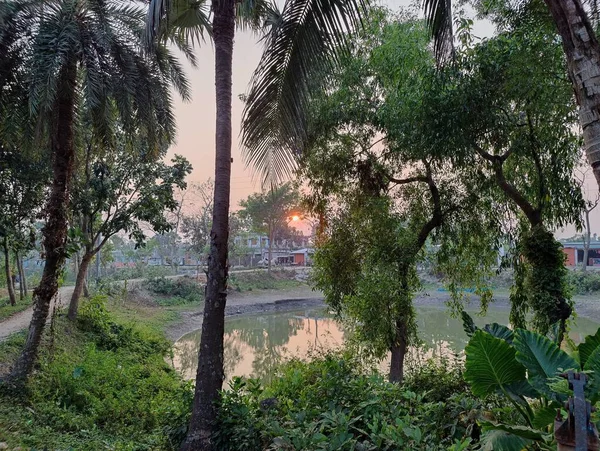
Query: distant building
[574, 249]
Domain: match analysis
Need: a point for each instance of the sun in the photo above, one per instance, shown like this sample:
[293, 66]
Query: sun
[295, 218]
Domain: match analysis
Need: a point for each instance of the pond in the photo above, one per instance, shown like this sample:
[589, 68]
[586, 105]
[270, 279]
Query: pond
[255, 345]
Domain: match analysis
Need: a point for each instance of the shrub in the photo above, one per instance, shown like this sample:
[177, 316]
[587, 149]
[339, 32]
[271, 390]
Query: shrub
[329, 404]
[584, 282]
[109, 335]
[175, 291]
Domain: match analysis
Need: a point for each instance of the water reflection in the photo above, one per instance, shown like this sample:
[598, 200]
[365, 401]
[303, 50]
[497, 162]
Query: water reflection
[255, 345]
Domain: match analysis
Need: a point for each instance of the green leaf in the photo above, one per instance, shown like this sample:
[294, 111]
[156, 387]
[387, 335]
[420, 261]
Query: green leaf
[544, 417]
[491, 364]
[542, 358]
[500, 331]
[495, 440]
[592, 364]
[468, 324]
[588, 346]
[523, 432]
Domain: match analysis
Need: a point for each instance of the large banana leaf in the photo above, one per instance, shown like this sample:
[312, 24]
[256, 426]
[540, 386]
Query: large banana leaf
[491, 364]
[499, 331]
[542, 358]
[587, 347]
[495, 440]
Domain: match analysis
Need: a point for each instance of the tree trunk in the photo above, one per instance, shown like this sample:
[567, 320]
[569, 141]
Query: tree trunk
[9, 280]
[398, 352]
[270, 252]
[55, 230]
[588, 239]
[583, 59]
[86, 290]
[79, 285]
[20, 272]
[210, 373]
[23, 278]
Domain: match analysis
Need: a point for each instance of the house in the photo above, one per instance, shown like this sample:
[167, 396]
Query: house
[574, 250]
[303, 257]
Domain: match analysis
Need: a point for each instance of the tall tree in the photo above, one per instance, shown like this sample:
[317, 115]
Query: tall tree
[117, 192]
[23, 178]
[81, 53]
[271, 212]
[513, 106]
[574, 22]
[299, 40]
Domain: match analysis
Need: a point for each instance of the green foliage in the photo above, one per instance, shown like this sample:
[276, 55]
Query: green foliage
[262, 280]
[175, 291]
[545, 282]
[526, 370]
[329, 403]
[110, 335]
[366, 269]
[580, 282]
[106, 387]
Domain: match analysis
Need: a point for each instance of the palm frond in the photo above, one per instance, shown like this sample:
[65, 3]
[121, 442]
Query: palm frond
[177, 21]
[301, 49]
[438, 14]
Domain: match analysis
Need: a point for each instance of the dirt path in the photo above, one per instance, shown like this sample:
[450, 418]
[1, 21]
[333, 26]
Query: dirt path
[20, 321]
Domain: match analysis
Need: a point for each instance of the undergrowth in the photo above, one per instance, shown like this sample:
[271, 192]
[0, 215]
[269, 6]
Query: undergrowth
[331, 404]
[99, 385]
[262, 280]
[175, 291]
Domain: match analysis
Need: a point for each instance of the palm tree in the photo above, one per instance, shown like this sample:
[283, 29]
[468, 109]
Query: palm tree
[582, 52]
[299, 40]
[76, 53]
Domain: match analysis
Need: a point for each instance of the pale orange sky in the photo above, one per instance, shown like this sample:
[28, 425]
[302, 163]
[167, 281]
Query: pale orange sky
[196, 119]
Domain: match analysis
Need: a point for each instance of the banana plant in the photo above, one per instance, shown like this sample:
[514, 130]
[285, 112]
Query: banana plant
[525, 367]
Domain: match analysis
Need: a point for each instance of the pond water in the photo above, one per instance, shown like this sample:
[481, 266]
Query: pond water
[255, 345]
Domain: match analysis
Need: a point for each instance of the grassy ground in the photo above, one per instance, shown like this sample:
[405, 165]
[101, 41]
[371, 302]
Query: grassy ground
[7, 310]
[100, 384]
[262, 280]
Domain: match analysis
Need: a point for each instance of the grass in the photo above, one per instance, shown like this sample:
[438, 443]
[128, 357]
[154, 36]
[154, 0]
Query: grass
[7, 310]
[262, 280]
[100, 384]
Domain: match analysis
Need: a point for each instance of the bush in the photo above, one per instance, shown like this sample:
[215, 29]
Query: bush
[175, 291]
[329, 404]
[584, 282]
[437, 379]
[109, 335]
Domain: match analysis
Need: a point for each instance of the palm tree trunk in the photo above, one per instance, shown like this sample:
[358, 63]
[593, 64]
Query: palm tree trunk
[9, 280]
[398, 352]
[583, 59]
[55, 230]
[20, 272]
[210, 373]
[79, 285]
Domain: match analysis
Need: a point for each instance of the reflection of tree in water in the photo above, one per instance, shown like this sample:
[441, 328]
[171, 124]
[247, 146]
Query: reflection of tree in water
[186, 353]
[268, 337]
[232, 354]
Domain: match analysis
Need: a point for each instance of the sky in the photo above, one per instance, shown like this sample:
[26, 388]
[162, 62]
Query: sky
[196, 119]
